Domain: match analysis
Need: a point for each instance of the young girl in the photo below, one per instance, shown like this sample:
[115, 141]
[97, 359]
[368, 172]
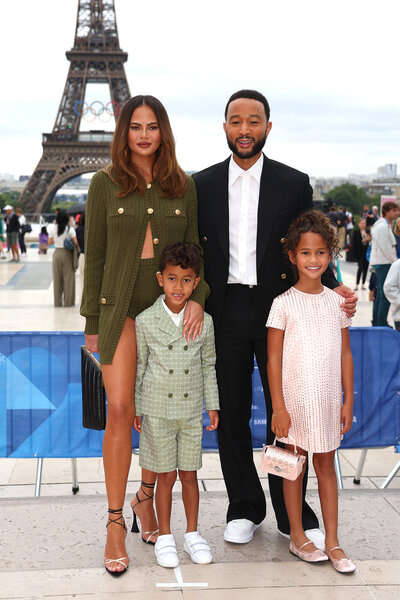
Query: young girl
[309, 360]
[43, 241]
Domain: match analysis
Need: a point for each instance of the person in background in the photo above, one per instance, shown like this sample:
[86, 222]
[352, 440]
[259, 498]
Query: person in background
[349, 227]
[366, 211]
[136, 206]
[383, 254]
[43, 241]
[12, 232]
[360, 242]
[396, 232]
[391, 289]
[21, 233]
[2, 239]
[80, 236]
[375, 213]
[341, 222]
[63, 269]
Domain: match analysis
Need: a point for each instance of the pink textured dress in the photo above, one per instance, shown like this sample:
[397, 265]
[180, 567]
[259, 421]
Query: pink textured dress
[311, 365]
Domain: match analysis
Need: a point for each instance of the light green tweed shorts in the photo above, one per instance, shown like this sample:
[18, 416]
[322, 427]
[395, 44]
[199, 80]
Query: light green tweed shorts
[169, 444]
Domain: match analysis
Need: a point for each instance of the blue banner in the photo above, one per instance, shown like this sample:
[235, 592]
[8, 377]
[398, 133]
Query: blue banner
[41, 403]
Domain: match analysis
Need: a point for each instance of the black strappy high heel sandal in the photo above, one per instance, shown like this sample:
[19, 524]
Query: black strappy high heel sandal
[135, 528]
[108, 561]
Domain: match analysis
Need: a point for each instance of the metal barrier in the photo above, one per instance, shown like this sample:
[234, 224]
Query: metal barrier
[40, 397]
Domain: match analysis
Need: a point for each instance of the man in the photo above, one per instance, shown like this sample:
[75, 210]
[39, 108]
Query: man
[341, 221]
[246, 204]
[383, 254]
[22, 230]
[12, 232]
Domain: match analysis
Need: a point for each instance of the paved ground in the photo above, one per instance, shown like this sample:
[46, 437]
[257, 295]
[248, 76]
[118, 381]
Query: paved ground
[52, 546]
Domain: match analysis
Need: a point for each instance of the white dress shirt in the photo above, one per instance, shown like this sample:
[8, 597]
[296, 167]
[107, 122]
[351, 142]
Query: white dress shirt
[176, 317]
[243, 195]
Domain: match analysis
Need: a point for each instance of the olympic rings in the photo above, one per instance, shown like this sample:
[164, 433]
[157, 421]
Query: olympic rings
[90, 113]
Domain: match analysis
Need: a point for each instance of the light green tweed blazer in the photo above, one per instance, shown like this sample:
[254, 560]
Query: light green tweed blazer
[173, 376]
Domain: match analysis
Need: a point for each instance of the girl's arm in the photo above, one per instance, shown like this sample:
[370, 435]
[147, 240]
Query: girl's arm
[280, 421]
[347, 382]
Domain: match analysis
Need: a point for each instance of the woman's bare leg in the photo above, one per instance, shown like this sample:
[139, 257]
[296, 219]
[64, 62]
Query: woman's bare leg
[144, 507]
[119, 380]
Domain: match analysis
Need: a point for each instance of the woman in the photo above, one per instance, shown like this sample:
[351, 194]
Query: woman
[360, 242]
[63, 268]
[136, 206]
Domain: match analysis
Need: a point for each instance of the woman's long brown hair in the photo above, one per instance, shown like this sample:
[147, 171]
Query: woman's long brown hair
[171, 179]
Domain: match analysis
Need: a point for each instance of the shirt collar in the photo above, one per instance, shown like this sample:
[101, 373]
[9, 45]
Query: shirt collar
[255, 170]
[169, 311]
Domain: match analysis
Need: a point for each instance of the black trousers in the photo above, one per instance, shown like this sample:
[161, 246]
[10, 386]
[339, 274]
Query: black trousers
[363, 265]
[239, 338]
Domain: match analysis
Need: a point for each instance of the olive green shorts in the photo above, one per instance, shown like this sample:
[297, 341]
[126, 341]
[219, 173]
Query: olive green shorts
[169, 444]
[146, 289]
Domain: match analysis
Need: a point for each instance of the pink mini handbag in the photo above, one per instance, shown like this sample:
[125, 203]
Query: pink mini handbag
[282, 462]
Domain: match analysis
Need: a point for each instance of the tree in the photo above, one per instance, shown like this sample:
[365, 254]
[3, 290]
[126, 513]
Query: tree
[351, 197]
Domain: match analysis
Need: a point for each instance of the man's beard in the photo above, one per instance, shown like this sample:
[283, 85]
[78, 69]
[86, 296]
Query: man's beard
[256, 149]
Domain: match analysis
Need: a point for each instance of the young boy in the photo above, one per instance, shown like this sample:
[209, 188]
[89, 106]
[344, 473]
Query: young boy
[173, 377]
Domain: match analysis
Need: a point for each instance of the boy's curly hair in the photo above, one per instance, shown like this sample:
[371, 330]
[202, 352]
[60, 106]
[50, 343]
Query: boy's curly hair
[181, 254]
[315, 221]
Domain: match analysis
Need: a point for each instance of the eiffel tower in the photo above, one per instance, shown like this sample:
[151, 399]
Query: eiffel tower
[68, 152]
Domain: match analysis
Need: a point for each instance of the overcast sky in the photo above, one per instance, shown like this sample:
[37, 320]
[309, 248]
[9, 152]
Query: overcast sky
[330, 71]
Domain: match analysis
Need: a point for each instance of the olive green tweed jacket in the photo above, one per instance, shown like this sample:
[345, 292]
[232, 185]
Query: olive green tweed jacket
[112, 254]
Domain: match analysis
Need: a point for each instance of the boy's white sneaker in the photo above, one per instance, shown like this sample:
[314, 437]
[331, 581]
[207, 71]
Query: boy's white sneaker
[165, 550]
[197, 548]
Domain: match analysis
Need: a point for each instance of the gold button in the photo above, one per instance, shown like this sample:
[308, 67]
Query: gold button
[185, 395]
[148, 186]
[204, 238]
[170, 347]
[156, 241]
[177, 212]
[150, 211]
[186, 371]
[171, 371]
[283, 276]
[120, 211]
[169, 395]
[282, 240]
[103, 301]
[185, 347]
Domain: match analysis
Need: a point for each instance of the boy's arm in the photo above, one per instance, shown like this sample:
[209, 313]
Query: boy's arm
[280, 421]
[208, 358]
[347, 382]
[142, 359]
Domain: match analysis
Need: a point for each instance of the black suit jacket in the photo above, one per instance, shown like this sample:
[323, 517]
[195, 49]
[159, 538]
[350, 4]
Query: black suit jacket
[284, 194]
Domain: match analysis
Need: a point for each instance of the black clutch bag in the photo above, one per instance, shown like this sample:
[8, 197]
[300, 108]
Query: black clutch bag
[93, 392]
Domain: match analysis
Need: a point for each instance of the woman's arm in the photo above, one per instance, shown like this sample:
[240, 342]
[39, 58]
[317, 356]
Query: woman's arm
[280, 421]
[347, 382]
[95, 253]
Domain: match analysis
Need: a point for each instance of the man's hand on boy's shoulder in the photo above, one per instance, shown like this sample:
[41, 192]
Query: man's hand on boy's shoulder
[350, 299]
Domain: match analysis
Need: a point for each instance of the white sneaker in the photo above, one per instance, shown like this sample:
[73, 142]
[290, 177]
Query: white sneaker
[316, 536]
[240, 531]
[165, 550]
[197, 548]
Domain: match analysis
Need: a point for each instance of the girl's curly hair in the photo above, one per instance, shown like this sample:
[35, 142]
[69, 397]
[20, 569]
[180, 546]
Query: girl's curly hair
[315, 221]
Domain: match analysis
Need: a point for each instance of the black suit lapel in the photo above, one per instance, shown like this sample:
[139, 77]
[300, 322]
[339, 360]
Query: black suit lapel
[272, 190]
[219, 206]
